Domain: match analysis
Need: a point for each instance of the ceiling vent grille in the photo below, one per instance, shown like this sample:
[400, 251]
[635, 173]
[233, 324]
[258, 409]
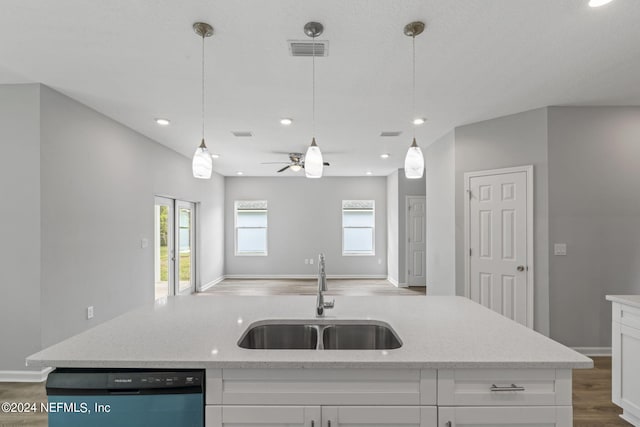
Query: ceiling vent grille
[390, 133]
[242, 134]
[305, 48]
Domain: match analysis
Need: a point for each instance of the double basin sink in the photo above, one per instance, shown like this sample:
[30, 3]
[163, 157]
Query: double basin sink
[319, 335]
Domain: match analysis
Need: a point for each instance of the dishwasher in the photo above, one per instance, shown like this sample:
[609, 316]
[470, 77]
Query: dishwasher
[125, 398]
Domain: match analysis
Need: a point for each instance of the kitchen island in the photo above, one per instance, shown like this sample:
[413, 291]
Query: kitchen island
[459, 363]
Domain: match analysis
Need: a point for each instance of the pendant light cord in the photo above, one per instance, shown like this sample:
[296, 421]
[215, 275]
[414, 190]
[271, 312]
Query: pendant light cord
[313, 88]
[414, 84]
[203, 36]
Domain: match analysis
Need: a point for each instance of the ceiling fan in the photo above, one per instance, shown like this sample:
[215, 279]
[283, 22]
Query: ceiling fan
[296, 163]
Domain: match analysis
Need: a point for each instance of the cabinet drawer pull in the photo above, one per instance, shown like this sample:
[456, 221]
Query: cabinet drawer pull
[449, 424]
[329, 423]
[512, 387]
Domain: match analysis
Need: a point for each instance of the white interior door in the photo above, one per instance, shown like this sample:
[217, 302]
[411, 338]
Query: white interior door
[499, 233]
[416, 241]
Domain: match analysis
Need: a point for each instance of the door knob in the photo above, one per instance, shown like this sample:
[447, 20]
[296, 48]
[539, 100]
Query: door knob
[520, 268]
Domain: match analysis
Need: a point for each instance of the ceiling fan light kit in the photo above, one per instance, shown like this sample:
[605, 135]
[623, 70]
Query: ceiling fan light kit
[414, 161]
[202, 163]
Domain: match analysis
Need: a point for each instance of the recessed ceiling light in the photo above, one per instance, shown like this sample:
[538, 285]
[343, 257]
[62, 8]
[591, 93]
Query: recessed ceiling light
[418, 121]
[369, 173]
[215, 156]
[384, 156]
[598, 3]
[239, 173]
[163, 122]
[286, 121]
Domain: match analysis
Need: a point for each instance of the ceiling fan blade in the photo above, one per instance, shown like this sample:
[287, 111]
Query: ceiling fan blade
[284, 168]
[326, 164]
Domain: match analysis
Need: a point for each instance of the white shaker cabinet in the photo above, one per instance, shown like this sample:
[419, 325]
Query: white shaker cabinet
[504, 416]
[625, 361]
[321, 416]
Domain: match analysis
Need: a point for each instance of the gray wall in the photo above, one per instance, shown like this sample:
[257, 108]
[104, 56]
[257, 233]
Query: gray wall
[441, 227]
[406, 187]
[594, 207]
[392, 227]
[515, 140]
[78, 193]
[305, 218]
[99, 179]
[20, 219]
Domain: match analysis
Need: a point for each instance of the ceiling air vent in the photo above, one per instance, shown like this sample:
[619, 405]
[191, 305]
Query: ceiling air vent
[242, 134]
[390, 133]
[305, 48]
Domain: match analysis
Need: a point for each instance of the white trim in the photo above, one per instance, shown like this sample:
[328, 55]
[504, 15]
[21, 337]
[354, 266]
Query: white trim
[210, 284]
[304, 276]
[528, 170]
[593, 351]
[395, 283]
[24, 376]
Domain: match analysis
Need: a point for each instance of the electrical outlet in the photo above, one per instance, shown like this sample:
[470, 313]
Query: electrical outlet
[90, 312]
[380, 261]
[310, 260]
[144, 243]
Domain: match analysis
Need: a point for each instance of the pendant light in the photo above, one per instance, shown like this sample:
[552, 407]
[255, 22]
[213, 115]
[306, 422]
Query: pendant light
[414, 162]
[202, 162]
[313, 162]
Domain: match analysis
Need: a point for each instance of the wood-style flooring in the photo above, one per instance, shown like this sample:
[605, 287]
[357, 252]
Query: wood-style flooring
[339, 287]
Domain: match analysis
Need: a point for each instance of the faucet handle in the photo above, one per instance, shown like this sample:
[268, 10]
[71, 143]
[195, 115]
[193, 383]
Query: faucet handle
[329, 304]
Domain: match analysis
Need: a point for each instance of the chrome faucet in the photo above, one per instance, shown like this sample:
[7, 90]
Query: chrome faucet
[321, 305]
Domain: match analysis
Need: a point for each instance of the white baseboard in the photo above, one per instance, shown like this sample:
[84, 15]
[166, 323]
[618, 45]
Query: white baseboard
[211, 283]
[24, 376]
[593, 351]
[395, 283]
[303, 276]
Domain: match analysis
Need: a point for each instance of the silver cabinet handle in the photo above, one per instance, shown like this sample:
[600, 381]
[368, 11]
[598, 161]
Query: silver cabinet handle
[512, 387]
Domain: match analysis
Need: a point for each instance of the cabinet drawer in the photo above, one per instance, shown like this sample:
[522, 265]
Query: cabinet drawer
[241, 416]
[504, 387]
[626, 315]
[328, 387]
[539, 416]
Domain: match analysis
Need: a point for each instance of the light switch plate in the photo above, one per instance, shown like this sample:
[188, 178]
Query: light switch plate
[90, 312]
[560, 249]
[144, 243]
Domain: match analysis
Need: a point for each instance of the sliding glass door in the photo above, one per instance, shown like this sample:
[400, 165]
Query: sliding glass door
[174, 247]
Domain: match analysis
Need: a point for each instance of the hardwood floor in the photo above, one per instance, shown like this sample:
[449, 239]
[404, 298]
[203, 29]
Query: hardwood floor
[592, 404]
[354, 287]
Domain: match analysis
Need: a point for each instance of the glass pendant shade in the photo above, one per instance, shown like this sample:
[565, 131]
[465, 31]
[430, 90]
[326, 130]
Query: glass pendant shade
[202, 162]
[414, 162]
[313, 162]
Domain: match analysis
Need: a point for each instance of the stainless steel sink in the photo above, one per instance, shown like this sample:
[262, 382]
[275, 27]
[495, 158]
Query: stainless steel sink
[359, 337]
[321, 334]
[280, 337]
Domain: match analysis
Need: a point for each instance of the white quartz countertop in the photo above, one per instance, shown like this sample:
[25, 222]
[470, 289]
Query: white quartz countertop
[632, 300]
[202, 331]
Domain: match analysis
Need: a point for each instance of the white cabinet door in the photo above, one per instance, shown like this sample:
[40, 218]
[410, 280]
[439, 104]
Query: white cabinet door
[626, 370]
[251, 416]
[379, 416]
[513, 416]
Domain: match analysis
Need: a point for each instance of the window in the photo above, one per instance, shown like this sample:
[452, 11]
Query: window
[251, 227]
[358, 227]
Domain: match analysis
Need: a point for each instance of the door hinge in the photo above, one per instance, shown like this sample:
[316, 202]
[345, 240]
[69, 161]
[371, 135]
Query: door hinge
[409, 239]
[469, 251]
[409, 208]
[469, 193]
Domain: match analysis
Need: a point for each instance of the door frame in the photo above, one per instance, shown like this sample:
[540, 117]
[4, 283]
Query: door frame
[528, 170]
[192, 241]
[407, 202]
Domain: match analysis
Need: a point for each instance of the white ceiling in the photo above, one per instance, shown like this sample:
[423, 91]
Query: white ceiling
[478, 59]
